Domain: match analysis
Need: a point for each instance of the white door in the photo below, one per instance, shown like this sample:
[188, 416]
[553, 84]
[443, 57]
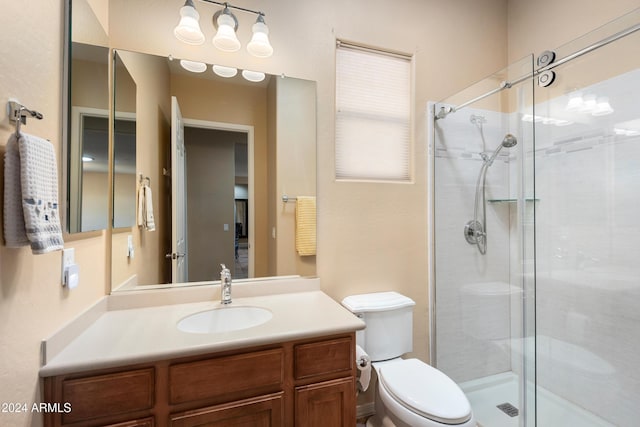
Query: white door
[179, 272]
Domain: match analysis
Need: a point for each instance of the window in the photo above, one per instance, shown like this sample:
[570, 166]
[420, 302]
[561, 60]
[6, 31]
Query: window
[373, 114]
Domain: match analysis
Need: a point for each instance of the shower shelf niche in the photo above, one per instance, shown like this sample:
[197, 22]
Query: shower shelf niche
[511, 200]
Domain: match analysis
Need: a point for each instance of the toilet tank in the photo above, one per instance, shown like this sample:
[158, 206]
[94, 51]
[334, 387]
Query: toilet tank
[389, 323]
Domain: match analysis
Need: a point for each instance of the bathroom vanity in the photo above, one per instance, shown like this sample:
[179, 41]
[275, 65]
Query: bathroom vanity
[296, 369]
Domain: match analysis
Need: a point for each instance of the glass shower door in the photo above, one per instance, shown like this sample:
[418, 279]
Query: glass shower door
[482, 276]
[587, 180]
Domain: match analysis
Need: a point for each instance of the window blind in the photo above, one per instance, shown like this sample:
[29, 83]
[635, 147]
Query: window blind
[373, 115]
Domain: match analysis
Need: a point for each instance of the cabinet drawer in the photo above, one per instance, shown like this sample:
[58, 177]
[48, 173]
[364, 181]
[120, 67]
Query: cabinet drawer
[229, 377]
[324, 357]
[108, 395]
[260, 411]
[146, 422]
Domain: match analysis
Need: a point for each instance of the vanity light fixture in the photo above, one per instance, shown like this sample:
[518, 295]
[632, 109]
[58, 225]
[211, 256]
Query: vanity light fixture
[193, 66]
[223, 71]
[226, 24]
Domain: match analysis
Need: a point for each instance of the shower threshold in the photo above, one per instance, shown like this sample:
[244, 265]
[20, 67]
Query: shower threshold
[486, 394]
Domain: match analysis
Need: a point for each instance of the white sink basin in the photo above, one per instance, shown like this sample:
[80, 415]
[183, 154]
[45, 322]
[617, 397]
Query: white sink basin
[224, 319]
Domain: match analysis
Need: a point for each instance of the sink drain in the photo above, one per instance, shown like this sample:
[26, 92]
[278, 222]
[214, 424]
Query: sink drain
[508, 409]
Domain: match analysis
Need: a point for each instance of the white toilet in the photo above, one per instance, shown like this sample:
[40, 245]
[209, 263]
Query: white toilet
[409, 392]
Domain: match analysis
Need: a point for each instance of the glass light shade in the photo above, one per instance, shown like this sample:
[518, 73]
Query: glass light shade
[193, 66]
[575, 102]
[259, 45]
[188, 29]
[226, 39]
[602, 107]
[253, 76]
[223, 71]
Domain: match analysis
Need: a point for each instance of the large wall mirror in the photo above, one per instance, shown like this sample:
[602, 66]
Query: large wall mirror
[215, 155]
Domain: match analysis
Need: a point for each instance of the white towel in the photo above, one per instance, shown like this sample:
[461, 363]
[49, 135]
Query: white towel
[145, 208]
[31, 195]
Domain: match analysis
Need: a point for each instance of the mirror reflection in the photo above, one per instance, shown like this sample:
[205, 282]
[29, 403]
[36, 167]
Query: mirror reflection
[217, 155]
[89, 139]
[124, 146]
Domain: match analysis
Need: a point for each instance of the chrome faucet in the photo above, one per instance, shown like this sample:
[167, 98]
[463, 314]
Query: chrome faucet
[225, 285]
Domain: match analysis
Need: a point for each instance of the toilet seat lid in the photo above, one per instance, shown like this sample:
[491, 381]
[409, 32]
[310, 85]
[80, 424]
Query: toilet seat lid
[426, 391]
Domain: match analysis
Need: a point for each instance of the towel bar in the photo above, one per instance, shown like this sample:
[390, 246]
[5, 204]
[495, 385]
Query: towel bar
[16, 111]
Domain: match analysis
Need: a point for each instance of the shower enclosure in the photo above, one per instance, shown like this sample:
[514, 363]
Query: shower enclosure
[535, 274]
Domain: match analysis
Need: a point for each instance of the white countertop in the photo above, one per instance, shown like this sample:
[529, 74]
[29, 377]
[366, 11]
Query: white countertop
[127, 336]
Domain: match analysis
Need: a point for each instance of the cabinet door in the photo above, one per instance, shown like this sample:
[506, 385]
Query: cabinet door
[263, 411]
[330, 403]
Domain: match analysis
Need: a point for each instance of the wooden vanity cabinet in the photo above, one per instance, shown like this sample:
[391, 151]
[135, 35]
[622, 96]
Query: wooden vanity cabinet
[298, 383]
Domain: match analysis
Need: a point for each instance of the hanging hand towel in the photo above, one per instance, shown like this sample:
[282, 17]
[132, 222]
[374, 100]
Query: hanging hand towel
[34, 162]
[145, 208]
[306, 225]
[15, 233]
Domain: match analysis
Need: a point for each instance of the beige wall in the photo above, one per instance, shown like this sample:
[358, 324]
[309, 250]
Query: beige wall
[33, 303]
[536, 26]
[372, 236]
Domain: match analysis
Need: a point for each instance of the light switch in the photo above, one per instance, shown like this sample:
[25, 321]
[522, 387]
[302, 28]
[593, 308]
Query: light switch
[226, 227]
[70, 270]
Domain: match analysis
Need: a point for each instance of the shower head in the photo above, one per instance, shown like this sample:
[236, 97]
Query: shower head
[509, 141]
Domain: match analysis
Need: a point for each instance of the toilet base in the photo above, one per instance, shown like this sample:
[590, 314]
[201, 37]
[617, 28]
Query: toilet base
[387, 418]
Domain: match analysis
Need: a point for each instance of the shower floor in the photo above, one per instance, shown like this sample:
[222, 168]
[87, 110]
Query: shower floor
[486, 393]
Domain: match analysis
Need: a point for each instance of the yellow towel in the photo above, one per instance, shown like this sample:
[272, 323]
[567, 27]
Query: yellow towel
[306, 225]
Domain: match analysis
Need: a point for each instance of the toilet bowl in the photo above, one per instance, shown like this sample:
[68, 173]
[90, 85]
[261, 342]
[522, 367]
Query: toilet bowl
[409, 393]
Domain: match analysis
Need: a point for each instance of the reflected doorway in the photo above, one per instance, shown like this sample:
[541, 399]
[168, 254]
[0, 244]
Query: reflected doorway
[218, 201]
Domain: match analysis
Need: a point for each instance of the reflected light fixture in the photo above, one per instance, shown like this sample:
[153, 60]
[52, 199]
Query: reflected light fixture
[188, 29]
[87, 159]
[603, 107]
[226, 24]
[223, 71]
[575, 102]
[193, 66]
[253, 76]
[588, 104]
